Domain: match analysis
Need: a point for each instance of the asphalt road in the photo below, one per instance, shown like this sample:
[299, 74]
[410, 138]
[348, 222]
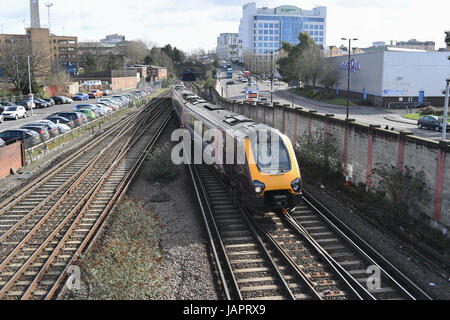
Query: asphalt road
[362, 114]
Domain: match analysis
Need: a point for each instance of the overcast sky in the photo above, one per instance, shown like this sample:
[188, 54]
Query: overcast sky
[190, 24]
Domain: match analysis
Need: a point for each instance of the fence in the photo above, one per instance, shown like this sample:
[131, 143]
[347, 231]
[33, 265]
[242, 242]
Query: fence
[89, 129]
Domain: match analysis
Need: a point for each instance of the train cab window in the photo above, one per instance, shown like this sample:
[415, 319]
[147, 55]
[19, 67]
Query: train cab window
[268, 162]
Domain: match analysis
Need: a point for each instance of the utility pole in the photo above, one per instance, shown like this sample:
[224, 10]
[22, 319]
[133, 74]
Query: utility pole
[444, 129]
[49, 5]
[348, 73]
[30, 96]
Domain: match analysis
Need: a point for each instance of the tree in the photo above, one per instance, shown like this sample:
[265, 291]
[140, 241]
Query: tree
[330, 76]
[311, 64]
[13, 61]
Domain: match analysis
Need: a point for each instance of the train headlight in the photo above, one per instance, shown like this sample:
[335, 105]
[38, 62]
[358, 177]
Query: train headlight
[259, 186]
[296, 185]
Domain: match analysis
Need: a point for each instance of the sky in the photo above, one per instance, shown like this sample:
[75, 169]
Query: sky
[192, 24]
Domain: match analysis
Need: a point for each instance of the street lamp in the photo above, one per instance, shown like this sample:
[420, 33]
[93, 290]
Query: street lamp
[273, 74]
[348, 73]
[49, 5]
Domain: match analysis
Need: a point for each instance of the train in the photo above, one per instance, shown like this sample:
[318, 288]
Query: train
[257, 162]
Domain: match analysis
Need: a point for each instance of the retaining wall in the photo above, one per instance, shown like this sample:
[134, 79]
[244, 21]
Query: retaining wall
[11, 156]
[360, 147]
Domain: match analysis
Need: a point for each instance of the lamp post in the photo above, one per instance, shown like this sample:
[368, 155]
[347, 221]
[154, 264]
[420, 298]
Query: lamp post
[49, 5]
[273, 74]
[348, 72]
[447, 90]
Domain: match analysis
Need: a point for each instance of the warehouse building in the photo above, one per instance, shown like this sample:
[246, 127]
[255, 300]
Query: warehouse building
[390, 78]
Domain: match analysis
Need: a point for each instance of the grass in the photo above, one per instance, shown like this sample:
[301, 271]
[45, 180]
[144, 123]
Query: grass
[412, 116]
[124, 266]
[337, 101]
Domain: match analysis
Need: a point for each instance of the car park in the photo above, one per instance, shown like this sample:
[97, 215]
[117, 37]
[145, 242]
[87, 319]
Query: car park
[91, 115]
[431, 122]
[81, 97]
[78, 118]
[61, 120]
[14, 112]
[39, 128]
[30, 138]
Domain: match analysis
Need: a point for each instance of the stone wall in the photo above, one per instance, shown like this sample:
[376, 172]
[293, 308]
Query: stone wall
[360, 147]
[11, 157]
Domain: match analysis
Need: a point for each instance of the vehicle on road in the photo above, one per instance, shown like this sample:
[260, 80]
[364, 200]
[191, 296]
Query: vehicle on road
[14, 112]
[93, 94]
[39, 128]
[29, 137]
[78, 118]
[61, 120]
[91, 115]
[431, 122]
[81, 97]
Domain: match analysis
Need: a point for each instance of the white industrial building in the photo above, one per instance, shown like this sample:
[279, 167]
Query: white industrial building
[395, 76]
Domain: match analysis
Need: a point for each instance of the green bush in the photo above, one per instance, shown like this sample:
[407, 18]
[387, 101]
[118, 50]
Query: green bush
[160, 166]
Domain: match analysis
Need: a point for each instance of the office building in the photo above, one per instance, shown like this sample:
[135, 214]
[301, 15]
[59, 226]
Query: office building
[227, 46]
[262, 30]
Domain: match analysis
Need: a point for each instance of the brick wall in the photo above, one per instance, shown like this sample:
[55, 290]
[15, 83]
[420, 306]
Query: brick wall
[360, 147]
[11, 156]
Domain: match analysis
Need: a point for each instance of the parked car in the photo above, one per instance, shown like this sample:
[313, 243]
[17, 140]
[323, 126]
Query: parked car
[63, 128]
[106, 109]
[51, 127]
[92, 107]
[50, 100]
[45, 104]
[93, 94]
[108, 104]
[81, 97]
[26, 104]
[1, 118]
[39, 104]
[58, 100]
[431, 122]
[30, 138]
[39, 128]
[230, 82]
[61, 120]
[68, 100]
[91, 115]
[15, 112]
[117, 102]
[2, 143]
[78, 118]
[7, 104]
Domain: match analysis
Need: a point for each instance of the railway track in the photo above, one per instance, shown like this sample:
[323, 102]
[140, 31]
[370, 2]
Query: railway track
[298, 256]
[48, 224]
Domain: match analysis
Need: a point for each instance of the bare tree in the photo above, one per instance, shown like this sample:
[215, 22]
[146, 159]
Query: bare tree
[14, 54]
[311, 64]
[330, 75]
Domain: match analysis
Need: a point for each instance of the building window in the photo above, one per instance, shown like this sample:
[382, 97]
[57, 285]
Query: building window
[270, 25]
[320, 39]
[315, 39]
[265, 32]
[270, 38]
[276, 39]
[316, 33]
[260, 44]
[311, 33]
[266, 44]
[321, 26]
[276, 25]
[270, 31]
[260, 51]
[306, 26]
[316, 26]
[260, 31]
[266, 38]
[265, 25]
[321, 33]
[260, 38]
[260, 25]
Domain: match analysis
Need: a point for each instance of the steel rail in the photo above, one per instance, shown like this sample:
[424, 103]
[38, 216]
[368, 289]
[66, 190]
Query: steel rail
[92, 233]
[18, 273]
[369, 253]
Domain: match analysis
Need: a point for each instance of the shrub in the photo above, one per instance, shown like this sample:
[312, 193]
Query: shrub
[160, 166]
[316, 153]
[402, 191]
[430, 111]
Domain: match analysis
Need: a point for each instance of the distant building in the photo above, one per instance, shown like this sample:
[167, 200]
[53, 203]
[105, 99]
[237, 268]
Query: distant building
[57, 53]
[227, 46]
[262, 30]
[113, 80]
[156, 73]
[410, 45]
[113, 39]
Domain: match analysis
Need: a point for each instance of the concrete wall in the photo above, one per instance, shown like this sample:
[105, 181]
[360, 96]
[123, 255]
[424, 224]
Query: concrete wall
[11, 156]
[360, 147]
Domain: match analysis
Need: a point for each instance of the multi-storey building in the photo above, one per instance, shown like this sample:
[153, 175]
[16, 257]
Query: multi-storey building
[228, 46]
[262, 30]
